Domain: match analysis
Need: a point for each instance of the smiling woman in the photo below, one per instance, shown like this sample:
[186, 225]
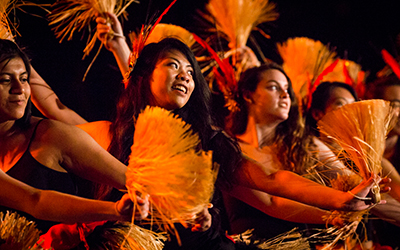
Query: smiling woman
[13, 99]
[172, 83]
[32, 153]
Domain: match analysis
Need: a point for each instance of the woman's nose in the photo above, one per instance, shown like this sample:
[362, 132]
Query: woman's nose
[17, 87]
[183, 76]
[284, 93]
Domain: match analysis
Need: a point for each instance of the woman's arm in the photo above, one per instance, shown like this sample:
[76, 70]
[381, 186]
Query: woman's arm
[278, 207]
[115, 43]
[78, 153]
[389, 212]
[390, 171]
[48, 103]
[292, 186]
[55, 206]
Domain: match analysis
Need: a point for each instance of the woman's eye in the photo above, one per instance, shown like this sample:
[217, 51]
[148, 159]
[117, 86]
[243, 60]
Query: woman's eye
[340, 104]
[5, 81]
[190, 72]
[273, 87]
[174, 65]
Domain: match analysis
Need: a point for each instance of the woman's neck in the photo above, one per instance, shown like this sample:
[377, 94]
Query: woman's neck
[257, 134]
[7, 128]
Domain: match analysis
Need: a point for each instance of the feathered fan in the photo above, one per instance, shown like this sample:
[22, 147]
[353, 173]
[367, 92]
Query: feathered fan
[166, 164]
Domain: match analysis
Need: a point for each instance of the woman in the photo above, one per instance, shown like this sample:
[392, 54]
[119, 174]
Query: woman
[328, 96]
[269, 130]
[388, 88]
[45, 154]
[333, 95]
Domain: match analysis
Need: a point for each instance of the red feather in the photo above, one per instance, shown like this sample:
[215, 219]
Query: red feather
[140, 41]
[388, 58]
[318, 80]
[347, 76]
[226, 81]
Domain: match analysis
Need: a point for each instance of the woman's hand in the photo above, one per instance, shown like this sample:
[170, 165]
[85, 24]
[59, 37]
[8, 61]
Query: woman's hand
[366, 194]
[203, 221]
[109, 31]
[125, 207]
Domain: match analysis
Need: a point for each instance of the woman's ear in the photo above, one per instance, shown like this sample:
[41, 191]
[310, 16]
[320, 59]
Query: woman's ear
[247, 97]
[317, 114]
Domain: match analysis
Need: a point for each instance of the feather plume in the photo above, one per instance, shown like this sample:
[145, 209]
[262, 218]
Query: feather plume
[304, 60]
[16, 232]
[348, 72]
[360, 129]
[237, 18]
[165, 164]
[163, 30]
[390, 61]
[226, 80]
[69, 16]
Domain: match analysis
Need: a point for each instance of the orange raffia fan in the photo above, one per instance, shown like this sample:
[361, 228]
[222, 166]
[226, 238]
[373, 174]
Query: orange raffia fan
[234, 21]
[69, 16]
[360, 129]
[16, 232]
[5, 28]
[166, 164]
[306, 62]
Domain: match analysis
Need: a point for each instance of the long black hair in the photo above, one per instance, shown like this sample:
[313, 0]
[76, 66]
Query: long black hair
[10, 50]
[137, 96]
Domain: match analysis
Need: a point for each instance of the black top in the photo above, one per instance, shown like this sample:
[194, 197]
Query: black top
[29, 171]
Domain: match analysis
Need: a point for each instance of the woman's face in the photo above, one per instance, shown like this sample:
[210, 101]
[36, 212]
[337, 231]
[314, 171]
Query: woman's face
[270, 102]
[172, 81]
[14, 89]
[392, 94]
[338, 98]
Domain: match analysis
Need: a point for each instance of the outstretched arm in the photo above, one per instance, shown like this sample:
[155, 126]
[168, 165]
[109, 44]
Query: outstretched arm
[115, 43]
[55, 206]
[278, 207]
[292, 186]
[390, 171]
[48, 103]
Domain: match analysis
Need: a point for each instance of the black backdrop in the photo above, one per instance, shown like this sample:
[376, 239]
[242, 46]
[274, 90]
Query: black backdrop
[358, 29]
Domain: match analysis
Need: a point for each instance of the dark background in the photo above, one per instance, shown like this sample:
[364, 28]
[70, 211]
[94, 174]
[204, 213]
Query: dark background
[358, 29]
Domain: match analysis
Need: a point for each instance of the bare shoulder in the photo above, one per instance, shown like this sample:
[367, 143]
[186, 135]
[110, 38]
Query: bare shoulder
[56, 132]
